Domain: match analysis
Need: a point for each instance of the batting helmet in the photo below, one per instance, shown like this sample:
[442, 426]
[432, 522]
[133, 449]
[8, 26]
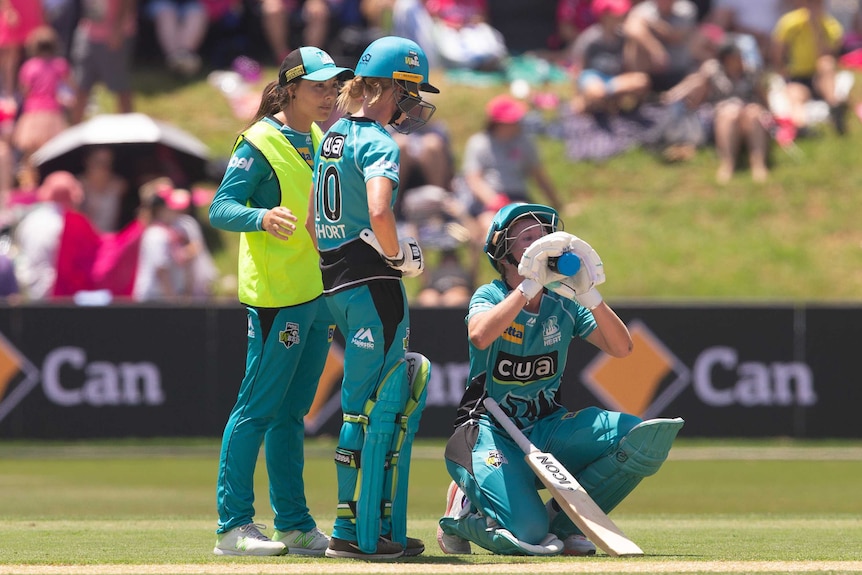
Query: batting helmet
[498, 242]
[404, 62]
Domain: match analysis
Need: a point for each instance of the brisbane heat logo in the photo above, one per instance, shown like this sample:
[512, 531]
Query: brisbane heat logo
[18, 377]
[643, 383]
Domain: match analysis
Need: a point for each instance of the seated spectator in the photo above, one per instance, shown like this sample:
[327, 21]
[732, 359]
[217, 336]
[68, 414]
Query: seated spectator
[667, 42]
[806, 43]
[605, 81]
[462, 36]
[104, 189]
[447, 283]
[499, 162]
[160, 275]
[181, 26]
[39, 233]
[43, 80]
[192, 251]
[740, 116]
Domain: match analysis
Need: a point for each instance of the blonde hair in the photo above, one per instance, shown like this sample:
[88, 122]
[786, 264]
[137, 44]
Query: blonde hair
[353, 92]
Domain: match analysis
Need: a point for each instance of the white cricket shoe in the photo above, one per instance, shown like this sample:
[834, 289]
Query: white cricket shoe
[457, 506]
[575, 545]
[247, 540]
[578, 545]
[313, 542]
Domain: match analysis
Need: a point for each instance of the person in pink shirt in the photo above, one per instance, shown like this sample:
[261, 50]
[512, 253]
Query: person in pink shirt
[17, 19]
[43, 79]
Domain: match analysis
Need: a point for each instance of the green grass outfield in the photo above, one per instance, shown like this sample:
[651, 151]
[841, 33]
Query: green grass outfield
[149, 507]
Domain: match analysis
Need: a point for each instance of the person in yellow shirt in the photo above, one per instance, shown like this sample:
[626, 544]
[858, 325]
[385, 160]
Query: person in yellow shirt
[264, 195]
[806, 42]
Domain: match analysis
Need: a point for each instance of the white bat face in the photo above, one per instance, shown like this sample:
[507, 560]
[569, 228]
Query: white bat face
[553, 470]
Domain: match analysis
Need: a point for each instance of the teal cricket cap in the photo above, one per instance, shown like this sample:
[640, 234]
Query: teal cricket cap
[310, 63]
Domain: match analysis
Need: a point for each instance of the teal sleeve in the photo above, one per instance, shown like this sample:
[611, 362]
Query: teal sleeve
[248, 189]
[585, 323]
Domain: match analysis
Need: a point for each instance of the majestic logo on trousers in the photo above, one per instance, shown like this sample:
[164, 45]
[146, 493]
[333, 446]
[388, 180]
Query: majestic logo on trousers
[363, 338]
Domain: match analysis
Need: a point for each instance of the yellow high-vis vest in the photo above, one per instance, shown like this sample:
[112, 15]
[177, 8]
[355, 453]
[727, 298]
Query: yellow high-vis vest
[274, 272]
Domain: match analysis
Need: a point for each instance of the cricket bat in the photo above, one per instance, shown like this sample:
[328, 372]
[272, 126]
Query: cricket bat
[565, 489]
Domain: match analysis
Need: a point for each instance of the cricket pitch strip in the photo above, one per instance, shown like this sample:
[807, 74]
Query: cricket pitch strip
[591, 565]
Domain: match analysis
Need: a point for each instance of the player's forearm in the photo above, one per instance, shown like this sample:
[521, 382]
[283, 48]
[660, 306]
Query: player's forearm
[380, 215]
[483, 329]
[613, 335]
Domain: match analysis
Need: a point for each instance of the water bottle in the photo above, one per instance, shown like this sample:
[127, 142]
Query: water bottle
[567, 264]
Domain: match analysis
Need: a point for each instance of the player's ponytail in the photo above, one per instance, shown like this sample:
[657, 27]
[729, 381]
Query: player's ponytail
[272, 100]
[361, 90]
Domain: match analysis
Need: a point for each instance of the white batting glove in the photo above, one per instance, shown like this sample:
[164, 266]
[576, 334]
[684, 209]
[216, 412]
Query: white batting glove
[409, 259]
[577, 287]
[589, 259]
[581, 287]
[534, 262]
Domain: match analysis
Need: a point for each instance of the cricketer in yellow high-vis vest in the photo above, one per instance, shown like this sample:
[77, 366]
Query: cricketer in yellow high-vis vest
[290, 330]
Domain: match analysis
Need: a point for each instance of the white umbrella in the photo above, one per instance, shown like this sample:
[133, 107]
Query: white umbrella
[133, 136]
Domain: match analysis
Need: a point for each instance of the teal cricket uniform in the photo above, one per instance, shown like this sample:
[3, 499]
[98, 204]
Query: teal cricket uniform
[369, 304]
[290, 328]
[521, 370]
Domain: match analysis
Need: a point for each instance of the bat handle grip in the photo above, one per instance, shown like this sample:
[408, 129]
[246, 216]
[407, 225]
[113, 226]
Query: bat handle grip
[494, 409]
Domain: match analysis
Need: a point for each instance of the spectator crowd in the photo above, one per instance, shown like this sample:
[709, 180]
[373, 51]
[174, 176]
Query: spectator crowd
[736, 75]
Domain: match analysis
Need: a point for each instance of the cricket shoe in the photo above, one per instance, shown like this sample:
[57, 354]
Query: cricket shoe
[343, 549]
[312, 543]
[247, 540]
[414, 546]
[457, 506]
[577, 545]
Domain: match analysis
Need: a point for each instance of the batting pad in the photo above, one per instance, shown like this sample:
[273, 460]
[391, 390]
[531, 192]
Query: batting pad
[382, 412]
[610, 479]
[418, 374]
